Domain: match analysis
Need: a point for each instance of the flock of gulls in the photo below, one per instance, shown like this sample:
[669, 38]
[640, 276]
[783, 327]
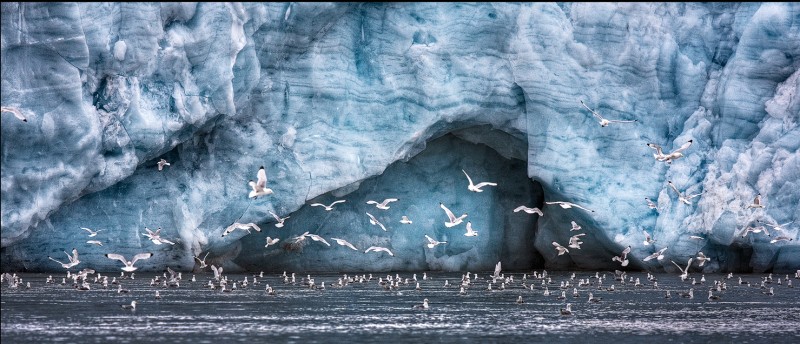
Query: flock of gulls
[259, 188]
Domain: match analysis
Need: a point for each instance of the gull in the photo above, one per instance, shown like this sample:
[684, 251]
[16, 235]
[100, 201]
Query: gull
[647, 239]
[780, 238]
[651, 204]
[657, 255]
[15, 111]
[453, 220]
[574, 241]
[756, 202]
[476, 188]
[244, 226]
[374, 221]
[561, 249]
[684, 272]
[575, 226]
[328, 207]
[676, 154]
[378, 249]
[280, 220]
[132, 306]
[129, 263]
[155, 237]
[424, 305]
[519, 300]
[567, 205]
[95, 242]
[433, 242]
[73, 259]
[344, 243]
[259, 187]
[91, 232]
[318, 238]
[217, 272]
[682, 197]
[162, 163]
[702, 259]
[566, 311]
[695, 237]
[405, 220]
[497, 268]
[203, 261]
[300, 238]
[757, 229]
[383, 205]
[623, 258]
[271, 241]
[528, 210]
[470, 232]
[776, 226]
[604, 122]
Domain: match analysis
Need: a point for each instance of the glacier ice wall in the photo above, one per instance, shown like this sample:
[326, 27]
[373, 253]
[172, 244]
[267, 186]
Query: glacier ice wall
[333, 99]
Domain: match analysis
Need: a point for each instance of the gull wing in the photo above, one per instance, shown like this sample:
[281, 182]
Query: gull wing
[592, 111]
[430, 240]
[468, 178]
[336, 202]
[626, 250]
[141, 256]
[497, 268]
[482, 184]
[262, 177]
[656, 147]
[683, 147]
[674, 188]
[255, 226]
[277, 218]
[517, 209]
[622, 121]
[18, 114]
[117, 257]
[448, 212]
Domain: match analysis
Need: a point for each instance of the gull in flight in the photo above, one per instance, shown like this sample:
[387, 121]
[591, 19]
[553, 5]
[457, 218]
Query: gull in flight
[604, 122]
[702, 259]
[217, 272]
[259, 187]
[780, 238]
[405, 220]
[470, 232]
[756, 202]
[73, 259]
[433, 242]
[95, 242]
[280, 220]
[327, 207]
[453, 220]
[657, 255]
[682, 197]
[344, 243]
[203, 261]
[15, 111]
[476, 188]
[129, 263]
[651, 204]
[757, 229]
[383, 205]
[528, 210]
[378, 249]
[497, 268]
[567, 205]
[317, 238]
[684, 272]
[244, 226]
[647, 238]
[575, 226]
[162, 163]
[271, 241]
[676, 154]
[623, 258]
[776, 226]
[300, 238]
[375, 222]
[561, 249]
[575, 242]
[155, 237]
[91, 232]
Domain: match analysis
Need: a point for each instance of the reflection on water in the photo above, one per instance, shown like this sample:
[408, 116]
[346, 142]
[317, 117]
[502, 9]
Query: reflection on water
[366, 312]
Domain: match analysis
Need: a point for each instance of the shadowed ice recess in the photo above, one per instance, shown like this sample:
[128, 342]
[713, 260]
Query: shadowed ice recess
[371, 101]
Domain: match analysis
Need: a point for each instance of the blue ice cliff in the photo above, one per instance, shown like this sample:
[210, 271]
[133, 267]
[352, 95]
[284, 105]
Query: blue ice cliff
[372, 101]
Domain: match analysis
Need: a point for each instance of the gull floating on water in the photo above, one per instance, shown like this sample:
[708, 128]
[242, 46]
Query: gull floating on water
[129, 263]
[470, 232]
[18, 114]
[682, 197]
[73, 259]
[280, 220]
[567, 311]
[476, 188]
[668, 158]
[91, 232]
[623, 258]
[259, 187]
[567, 205]
[383, 205]
[244, 226]
[657, 255]
[344, 243]
[424, 305]
[162, 163]
[452, 219]
[271, 241]
[528, 210]
[605, 122]
[433, 242]
[405, 220]
[561, 249]
[328, 207]
[378, 249]
[155, 237]
[375, 222]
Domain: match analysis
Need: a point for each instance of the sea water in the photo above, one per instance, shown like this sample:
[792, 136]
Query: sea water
[368, 313]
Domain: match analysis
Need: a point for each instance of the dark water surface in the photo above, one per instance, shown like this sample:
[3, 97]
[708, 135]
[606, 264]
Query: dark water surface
[366, 313]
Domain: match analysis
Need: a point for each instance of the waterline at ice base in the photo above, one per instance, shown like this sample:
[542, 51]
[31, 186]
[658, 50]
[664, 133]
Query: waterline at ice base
[617, 136]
